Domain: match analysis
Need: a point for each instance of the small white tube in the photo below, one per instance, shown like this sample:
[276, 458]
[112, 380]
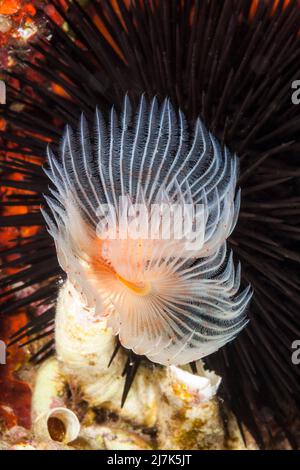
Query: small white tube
[52, 420]
[58, 424]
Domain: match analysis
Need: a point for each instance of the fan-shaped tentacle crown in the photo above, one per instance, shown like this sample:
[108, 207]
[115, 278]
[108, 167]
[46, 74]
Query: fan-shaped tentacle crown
[140, 218]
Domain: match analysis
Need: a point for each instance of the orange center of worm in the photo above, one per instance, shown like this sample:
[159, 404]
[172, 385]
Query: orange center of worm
[141, 288]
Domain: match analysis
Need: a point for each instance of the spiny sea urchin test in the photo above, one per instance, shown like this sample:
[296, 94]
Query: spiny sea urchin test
[166, 298]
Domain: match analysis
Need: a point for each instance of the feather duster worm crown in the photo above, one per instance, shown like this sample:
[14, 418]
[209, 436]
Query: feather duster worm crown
[167, 298]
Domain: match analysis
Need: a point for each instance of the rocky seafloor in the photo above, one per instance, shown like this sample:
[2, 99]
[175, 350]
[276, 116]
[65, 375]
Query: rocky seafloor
[76, 397]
